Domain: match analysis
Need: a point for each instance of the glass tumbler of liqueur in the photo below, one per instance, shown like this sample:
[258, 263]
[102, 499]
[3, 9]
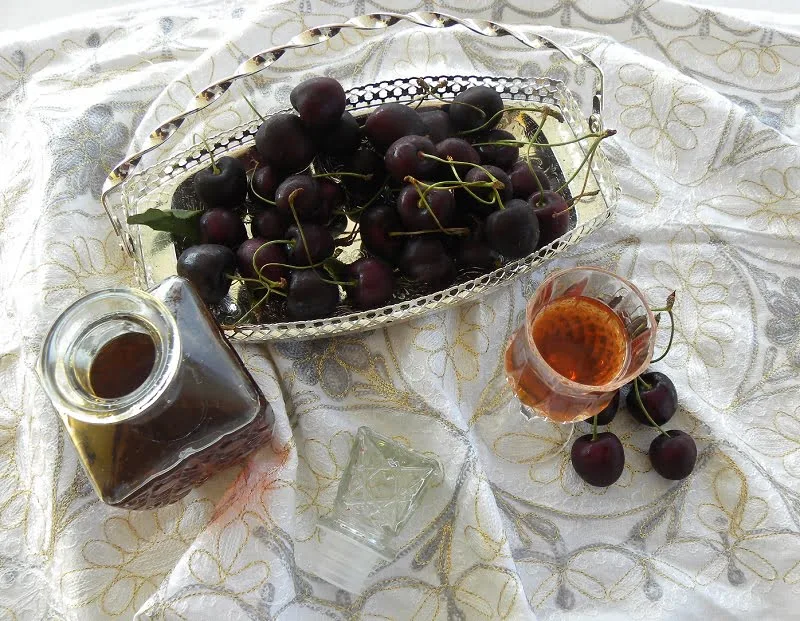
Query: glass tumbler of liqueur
[382, 486]
[587, 332]
[153, 397]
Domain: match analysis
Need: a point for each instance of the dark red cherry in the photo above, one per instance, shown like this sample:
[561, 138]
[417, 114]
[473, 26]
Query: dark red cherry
[269, 224]
[319, 240]
[673, 457]
[660, 399]
[374, 283]
[608, 413]
[438, 124]
[416, 216]
[224, 187]
[500, 155]
[513, 231]
[310, 296]
[552, 212]
[209, 268]
[265, 259]
[425, 260]
[523, 177]
[599, 462]
[284, 143]
[222, 226]
[405, 157]
[391, 121]
[475, 108]
[263, 184]
[319, 101]
[376, 222]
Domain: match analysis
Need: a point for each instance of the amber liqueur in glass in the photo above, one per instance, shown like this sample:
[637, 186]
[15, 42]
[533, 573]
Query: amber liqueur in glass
[581, 339]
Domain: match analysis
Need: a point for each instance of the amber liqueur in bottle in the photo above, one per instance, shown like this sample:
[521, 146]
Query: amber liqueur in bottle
[153, 397]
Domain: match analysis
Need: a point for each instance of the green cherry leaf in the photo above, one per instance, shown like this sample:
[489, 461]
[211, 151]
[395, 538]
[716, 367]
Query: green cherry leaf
[182, 223]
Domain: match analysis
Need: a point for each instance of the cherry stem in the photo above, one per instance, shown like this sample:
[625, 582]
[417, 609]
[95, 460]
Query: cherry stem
[461, 103]
[497, 198]
[586, 176]
[257, 195]
[423, 200]
[263, 279]
[671, 336]
[644, 409]
[349, 239]
[466, 187]
[373, 198]
[575, 199]
[451, 161]
[263, 299]
[492, 119]
[522, 143]
[546, 112]
[253, 108]
[299, 226]
[589, 153]
[214, 168]
[429, 90]
[263, 282]
[336, 175]
[343, 283]
[594, 428]
[495, 183]
[533, 172]
[461, 230]
[644, 383]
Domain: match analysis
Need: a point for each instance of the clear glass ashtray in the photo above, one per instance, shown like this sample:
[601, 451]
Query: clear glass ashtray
[165, 183]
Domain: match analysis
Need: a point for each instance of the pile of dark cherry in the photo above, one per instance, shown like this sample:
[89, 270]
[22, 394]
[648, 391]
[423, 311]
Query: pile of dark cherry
[488, 204]
[599, 458]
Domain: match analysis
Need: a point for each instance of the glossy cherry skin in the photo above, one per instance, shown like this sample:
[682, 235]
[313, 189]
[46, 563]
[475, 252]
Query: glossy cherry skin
[608, 413]
[374, 283]
[224, 188]
[673, 457]
[310, 296]
[209, 268]
[599, 462]
[661, 399]
[553, 213]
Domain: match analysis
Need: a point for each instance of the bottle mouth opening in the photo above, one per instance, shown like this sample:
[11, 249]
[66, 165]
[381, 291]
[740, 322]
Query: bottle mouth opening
[115, 359]
[110, 356]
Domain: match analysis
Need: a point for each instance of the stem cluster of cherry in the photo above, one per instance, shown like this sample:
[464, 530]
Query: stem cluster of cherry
[431, 191]
[652, 400]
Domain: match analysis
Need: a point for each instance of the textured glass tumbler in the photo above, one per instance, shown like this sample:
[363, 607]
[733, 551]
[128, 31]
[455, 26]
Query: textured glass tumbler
[382, 485]
[587, 332]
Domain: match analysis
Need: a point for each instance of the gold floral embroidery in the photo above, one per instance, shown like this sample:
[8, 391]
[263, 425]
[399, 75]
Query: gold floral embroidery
[666, 130]
[769, 205]
[740, 57]
[137, 549]
[461, 355]
[420, 58]
[781, 439]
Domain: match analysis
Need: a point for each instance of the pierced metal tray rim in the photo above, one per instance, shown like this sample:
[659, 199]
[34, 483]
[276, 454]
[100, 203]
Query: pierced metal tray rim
[456, 294]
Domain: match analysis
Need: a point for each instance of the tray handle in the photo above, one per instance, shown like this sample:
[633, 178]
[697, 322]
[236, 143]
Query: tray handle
[308, 38]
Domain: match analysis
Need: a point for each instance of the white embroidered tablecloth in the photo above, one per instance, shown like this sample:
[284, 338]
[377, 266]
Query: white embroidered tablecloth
[707, 156]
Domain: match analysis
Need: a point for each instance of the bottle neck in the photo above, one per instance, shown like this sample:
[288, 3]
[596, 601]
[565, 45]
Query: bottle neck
[72, 359]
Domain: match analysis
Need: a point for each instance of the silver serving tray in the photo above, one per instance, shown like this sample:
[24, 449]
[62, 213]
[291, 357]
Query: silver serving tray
[129, 191]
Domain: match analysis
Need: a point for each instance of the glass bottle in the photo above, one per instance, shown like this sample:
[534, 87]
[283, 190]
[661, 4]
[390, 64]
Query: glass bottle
[382, 485]
[153, 397]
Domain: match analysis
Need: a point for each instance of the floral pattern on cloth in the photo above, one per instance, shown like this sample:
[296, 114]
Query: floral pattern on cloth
[707, 110]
